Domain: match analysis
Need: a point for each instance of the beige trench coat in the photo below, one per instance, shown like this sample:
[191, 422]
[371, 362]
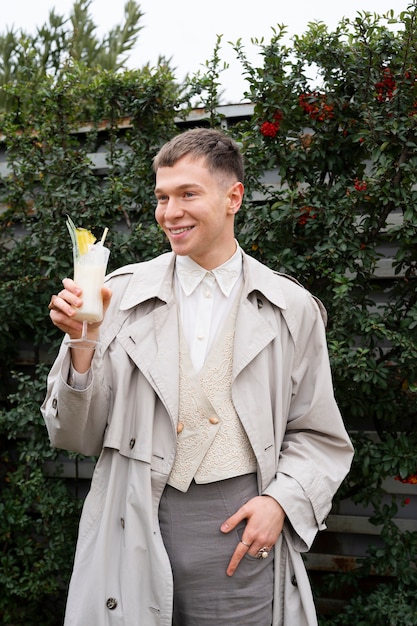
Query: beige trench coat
[282, 391]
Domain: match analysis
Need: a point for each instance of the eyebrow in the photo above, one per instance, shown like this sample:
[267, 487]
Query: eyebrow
[181, 187]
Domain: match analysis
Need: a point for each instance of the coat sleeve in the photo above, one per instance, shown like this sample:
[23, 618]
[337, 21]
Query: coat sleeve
[76, 419]
[316, 451]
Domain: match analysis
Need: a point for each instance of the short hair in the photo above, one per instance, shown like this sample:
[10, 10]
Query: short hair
[221, 152]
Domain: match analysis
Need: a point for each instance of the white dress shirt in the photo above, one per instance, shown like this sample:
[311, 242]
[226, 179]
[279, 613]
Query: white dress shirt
[205, 298]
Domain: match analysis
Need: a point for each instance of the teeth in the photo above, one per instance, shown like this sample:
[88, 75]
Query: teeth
[178, 231]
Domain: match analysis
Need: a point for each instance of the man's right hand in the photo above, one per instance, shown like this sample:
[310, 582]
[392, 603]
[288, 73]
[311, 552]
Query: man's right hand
[62, 310]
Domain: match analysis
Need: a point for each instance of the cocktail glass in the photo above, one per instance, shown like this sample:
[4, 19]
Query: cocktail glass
[89, 273]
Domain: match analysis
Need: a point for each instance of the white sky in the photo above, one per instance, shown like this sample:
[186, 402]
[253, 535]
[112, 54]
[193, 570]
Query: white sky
[186, 31]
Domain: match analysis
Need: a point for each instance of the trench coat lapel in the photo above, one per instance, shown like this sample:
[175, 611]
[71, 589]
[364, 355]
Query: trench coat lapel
[253, 333]
[152, 344]
[152, 340]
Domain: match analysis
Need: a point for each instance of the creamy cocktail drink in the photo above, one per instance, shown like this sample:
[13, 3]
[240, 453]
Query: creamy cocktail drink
[89, 273]
[90, 263]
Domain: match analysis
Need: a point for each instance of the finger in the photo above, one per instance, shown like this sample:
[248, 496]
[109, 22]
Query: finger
[66, 302]
[106, 294]
[66, 324]
[237, 556]
[234, 520]
[71, 286]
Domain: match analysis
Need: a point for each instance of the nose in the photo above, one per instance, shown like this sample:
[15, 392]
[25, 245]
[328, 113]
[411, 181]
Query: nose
[172, 209]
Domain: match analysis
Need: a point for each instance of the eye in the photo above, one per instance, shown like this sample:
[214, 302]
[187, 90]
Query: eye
[188, 194]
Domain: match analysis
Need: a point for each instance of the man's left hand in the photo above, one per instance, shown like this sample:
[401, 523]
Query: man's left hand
[264, 521]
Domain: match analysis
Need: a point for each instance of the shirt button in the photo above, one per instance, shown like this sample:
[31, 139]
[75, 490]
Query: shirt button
[214, 420]
[207, 294]
[200, 337]
[111, 603]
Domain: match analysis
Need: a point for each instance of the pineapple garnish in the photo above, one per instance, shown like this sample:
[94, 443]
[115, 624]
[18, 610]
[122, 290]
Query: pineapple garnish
[81, 238]
[84, 240]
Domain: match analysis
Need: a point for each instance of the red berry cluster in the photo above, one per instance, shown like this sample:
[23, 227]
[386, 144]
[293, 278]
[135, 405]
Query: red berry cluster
[315, 106]
[307, 213]
[409, 480]
[270, 129]
[386, 86]
[360, 185]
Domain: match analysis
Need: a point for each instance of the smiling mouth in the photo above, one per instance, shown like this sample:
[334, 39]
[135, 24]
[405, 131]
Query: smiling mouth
[178, 231]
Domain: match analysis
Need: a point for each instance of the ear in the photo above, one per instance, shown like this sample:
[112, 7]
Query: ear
[235, 197]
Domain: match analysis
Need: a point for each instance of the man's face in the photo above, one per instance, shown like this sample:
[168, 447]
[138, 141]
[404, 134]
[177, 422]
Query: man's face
[196, 211]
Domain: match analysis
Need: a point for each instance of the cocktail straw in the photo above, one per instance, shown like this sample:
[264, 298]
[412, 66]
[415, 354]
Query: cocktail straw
[106, 230]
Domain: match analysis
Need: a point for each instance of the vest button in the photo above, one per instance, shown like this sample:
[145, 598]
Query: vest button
[214, 420]
[180, 427]
[132, 443]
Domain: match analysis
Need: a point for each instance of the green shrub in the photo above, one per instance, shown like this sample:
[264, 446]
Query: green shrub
[38, 513]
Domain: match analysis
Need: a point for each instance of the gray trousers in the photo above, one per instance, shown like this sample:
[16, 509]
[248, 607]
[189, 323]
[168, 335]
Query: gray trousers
[199, 553]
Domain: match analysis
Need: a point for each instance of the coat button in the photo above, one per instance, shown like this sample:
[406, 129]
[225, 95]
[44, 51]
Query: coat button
[180, 427]
[294, 581]
[54, 403]
[111, 603]
[214, 420]
[122, 522]
[132, 443]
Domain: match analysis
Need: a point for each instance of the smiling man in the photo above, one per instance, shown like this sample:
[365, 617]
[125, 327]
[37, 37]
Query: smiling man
[209, 402]
[196, 207]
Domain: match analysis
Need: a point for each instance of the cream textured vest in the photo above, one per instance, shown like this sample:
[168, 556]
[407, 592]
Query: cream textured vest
[212, 444]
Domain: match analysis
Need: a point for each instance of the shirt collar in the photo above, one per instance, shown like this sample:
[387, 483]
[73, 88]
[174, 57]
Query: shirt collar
[190, 274]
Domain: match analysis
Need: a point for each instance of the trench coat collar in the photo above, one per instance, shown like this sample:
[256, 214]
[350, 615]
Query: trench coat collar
[260, 278]
[154, 280]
